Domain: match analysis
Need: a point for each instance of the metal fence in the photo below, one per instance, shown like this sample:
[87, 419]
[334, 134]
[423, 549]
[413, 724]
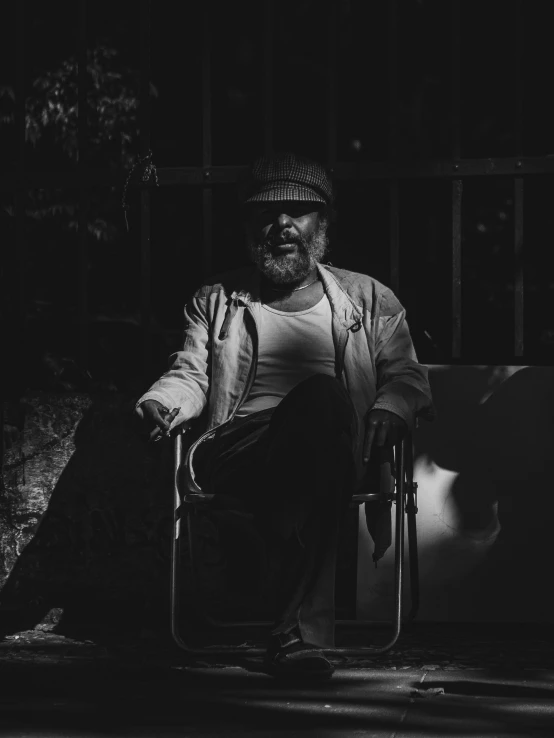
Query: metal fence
[393, 172]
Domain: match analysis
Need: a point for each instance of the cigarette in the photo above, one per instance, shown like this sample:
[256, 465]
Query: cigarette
[157, 434]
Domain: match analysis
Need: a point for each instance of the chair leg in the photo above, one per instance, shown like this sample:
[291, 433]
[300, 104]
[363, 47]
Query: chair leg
[398, 563]
[411, 510]
[176, 556]
[176, 575]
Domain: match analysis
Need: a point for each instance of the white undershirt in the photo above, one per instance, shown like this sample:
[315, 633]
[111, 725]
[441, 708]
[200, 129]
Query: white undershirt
[291, 348]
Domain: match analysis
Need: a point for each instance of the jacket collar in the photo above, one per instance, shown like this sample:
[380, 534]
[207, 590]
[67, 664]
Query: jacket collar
[250, 291]
[342, 305]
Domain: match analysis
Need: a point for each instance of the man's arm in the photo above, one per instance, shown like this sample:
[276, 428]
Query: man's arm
[185, 385]
[402, 383]
[403, 390]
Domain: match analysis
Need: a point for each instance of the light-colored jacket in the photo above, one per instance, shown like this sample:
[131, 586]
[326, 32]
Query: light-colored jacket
[374, 354]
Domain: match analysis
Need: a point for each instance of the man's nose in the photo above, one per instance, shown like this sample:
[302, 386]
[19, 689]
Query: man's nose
[284, 221]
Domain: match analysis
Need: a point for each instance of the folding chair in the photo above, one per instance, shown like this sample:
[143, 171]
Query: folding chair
[403, 494]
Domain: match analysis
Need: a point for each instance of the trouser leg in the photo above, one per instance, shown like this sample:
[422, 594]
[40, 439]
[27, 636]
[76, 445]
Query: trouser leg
[308, 482]
[294, 467]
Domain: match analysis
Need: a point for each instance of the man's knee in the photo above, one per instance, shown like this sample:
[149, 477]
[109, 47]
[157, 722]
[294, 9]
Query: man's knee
[331, 389]
[324, 398]
[323, 384]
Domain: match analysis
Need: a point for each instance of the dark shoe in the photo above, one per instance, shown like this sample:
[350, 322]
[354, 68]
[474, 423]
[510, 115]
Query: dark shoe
[289, 657]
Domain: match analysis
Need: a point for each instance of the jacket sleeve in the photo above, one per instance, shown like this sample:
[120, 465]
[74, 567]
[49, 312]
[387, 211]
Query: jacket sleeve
[402, 383]
[186, 383]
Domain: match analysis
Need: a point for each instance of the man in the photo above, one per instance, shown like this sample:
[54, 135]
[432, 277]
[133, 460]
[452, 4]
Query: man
[300, 371]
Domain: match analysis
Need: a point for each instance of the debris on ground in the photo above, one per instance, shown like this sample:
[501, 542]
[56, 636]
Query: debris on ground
[431, 692]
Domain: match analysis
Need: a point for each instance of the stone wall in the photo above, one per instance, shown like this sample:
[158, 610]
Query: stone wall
[85, 509]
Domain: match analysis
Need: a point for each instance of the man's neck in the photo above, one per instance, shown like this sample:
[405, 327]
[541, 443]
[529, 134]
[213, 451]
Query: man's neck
[293, 299]
[280, 289]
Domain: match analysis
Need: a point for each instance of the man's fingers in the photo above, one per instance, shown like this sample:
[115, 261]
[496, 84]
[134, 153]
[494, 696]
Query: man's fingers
[156, 434]
[384, 430]
[370, 435]
[163, 422]
[383, 434]
[172, 415]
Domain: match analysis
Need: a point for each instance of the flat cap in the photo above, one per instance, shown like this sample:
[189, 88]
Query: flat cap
[287, 177]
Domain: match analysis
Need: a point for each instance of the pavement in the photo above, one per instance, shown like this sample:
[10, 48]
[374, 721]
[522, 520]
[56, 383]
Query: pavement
[438, 680]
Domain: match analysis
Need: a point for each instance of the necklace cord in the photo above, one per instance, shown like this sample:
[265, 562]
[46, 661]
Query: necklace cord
[277, 289]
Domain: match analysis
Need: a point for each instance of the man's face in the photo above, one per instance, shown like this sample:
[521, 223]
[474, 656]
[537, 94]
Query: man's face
[286, 239]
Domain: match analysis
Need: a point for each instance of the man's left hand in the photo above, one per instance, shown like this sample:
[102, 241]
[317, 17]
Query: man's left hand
[384, 429]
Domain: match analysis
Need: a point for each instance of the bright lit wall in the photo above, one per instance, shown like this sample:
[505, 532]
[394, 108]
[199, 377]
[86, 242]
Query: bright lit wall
[486, 501]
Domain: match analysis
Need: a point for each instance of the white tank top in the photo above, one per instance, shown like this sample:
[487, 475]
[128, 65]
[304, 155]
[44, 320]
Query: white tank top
[292, 347]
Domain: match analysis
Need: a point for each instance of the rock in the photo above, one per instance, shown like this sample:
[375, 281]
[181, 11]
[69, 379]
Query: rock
[431, 692]
[85, 524]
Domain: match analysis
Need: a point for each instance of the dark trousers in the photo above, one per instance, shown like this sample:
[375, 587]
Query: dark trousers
[293, 467]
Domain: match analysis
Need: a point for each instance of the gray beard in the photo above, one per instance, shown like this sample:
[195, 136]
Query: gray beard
[283, 269]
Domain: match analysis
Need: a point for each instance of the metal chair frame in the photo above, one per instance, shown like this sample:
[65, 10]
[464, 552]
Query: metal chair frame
[404, 495]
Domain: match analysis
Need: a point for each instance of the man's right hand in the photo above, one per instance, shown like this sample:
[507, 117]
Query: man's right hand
[156, 419]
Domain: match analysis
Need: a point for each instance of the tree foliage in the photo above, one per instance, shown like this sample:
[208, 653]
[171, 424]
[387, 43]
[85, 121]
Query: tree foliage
[51, 125]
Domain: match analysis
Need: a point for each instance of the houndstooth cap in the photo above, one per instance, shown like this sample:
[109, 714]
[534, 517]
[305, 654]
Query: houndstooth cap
[287, 177]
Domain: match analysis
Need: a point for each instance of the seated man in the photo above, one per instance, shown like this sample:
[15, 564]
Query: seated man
[299, 370]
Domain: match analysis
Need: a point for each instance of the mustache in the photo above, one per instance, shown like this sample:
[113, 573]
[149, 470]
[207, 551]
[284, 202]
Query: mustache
[282, 239]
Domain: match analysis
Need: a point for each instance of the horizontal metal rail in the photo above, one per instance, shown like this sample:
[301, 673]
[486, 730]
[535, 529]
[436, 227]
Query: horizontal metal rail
[169, 176]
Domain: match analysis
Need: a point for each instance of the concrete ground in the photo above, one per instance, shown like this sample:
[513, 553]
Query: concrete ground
[437, 681]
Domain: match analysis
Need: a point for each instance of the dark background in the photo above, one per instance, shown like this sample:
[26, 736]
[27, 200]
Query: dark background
[47, 356]
[85, 509]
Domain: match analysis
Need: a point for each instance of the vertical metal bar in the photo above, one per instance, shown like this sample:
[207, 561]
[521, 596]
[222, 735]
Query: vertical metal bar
[268, 76]
[518, 191]
[20, 194]
[13, 327]
[456, 268]
[456, 184]
[206, 86]
[518, 259]
[145, 220]
[394, 235]
[394, 245]
[207, 214]
[20, 87]
[455, 112]
[411, 511]
[176, 542]
[82, 135]
[207, 197]
[332, 80]
[519, 77]
[399, 536]
[392, 62]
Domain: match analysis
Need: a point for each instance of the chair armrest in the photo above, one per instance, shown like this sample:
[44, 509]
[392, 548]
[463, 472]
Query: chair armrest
[372, 497]
[194, 498]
